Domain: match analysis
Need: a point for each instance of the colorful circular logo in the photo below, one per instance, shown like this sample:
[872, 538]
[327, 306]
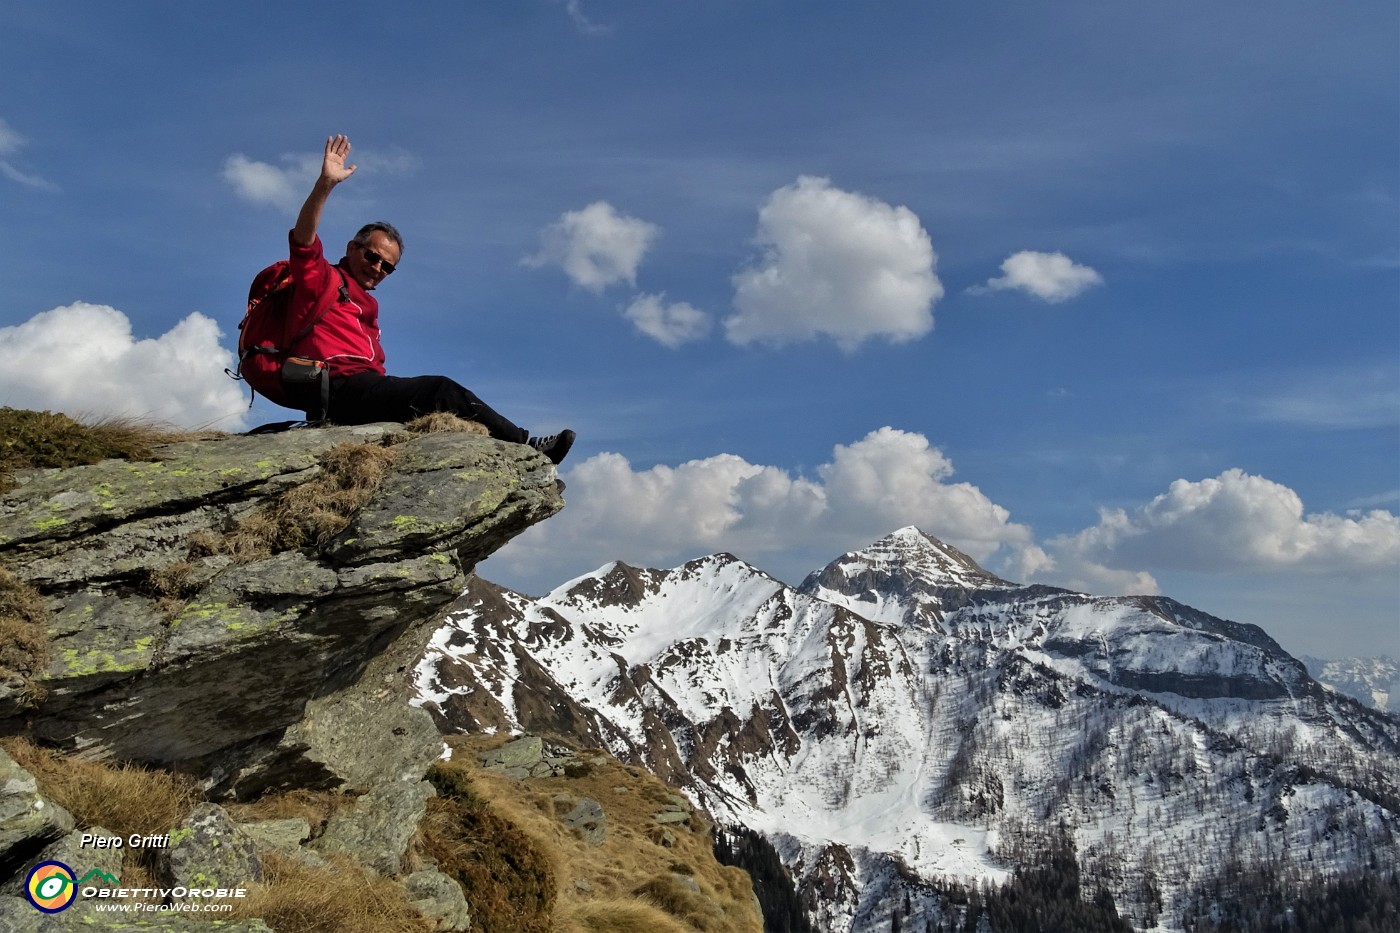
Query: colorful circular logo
[51, 887]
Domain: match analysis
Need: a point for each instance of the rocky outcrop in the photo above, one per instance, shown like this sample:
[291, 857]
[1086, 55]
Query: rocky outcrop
[280, 672]
[280, 664]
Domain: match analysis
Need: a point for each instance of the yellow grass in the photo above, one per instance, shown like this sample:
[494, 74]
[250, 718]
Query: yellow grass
[24, 646]
[444, 421]
[616, 915]
[340, 897]
[123, 798]
[631, 877]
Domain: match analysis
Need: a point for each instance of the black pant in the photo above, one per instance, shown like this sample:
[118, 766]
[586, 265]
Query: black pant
[365, 398]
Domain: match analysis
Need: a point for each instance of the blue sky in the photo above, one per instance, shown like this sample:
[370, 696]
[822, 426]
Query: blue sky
[1108, 295]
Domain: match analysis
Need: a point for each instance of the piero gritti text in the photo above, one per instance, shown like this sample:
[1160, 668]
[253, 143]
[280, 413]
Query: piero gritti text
[134, 841]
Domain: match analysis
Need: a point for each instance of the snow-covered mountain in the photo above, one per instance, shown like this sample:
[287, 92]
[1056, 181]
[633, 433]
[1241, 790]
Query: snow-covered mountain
[1373, 681]
[904, 719]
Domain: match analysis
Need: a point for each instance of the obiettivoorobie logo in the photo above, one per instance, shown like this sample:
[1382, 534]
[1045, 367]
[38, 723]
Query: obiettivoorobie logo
[51, 887]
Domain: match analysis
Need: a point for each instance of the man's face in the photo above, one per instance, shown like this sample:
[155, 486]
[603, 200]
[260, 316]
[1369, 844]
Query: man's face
[365, 262]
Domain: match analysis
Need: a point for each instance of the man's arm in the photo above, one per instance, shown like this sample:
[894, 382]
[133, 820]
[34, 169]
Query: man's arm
[333, 172]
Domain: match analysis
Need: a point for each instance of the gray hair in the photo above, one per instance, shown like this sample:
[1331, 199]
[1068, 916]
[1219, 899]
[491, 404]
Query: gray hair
[362, 237]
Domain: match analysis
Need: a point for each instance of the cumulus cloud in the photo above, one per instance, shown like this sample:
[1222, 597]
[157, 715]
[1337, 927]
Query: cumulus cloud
[837, 264]
[1235, 523]
[1051, 277]
[596, 247]
[82, 359]
[11, 142]
[787, 524]
[669, 324]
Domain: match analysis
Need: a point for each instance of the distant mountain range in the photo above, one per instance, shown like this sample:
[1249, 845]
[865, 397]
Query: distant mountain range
[904, 725]
[1373, 681]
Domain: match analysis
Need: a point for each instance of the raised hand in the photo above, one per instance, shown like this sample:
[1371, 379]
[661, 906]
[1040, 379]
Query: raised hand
[333, 167]
[333, 172]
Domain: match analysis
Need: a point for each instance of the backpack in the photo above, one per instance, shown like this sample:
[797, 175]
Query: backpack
[265, 344]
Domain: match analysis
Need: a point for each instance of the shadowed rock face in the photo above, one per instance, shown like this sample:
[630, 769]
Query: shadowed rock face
[288, 671]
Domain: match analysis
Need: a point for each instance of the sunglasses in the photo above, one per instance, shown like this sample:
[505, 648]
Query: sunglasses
[374, 259]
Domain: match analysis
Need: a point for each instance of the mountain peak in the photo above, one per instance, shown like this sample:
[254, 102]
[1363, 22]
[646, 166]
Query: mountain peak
[906, 576]
[911, 542]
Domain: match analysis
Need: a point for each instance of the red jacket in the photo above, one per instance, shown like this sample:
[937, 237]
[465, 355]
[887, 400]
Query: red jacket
[347, 336]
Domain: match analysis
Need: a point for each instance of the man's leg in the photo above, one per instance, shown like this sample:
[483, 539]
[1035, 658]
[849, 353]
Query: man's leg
[368, 397]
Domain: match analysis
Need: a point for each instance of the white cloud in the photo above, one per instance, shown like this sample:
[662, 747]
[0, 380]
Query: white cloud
[1086, 576]
[784, 523]
[669, 324]
[835, 264]
[11, 142]
[82, 359]
[282, 187]
[1051, 277]
[596, 247]
[1236, 523]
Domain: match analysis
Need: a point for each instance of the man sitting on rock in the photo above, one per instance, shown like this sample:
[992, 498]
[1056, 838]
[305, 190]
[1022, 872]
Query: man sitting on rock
[347, 335]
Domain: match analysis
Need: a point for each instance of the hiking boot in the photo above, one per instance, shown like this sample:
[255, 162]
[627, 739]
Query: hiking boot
[554, 446]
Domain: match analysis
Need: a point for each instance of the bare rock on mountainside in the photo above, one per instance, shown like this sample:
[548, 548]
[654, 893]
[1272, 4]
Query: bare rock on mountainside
[240, 608]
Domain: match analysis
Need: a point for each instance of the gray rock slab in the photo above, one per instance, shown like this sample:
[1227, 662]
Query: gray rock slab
[588, 819]
[208, 850]
[444, 485]
[438, 897]
[63, 504]
[278, 835]
[671, 816]
[524, 752]
[375, 831]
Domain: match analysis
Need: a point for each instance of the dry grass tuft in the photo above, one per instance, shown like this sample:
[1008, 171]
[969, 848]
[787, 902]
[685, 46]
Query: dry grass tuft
[632, 878]
[340, 898]
[120, 797]
[24, 644]
[311, 513]
[616, 915]
[172, 586]
[41, 439]
[670, 892]
[444, 421]
[508, 880]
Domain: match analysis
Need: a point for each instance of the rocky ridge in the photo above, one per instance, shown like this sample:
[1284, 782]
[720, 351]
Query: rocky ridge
[283, 671]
